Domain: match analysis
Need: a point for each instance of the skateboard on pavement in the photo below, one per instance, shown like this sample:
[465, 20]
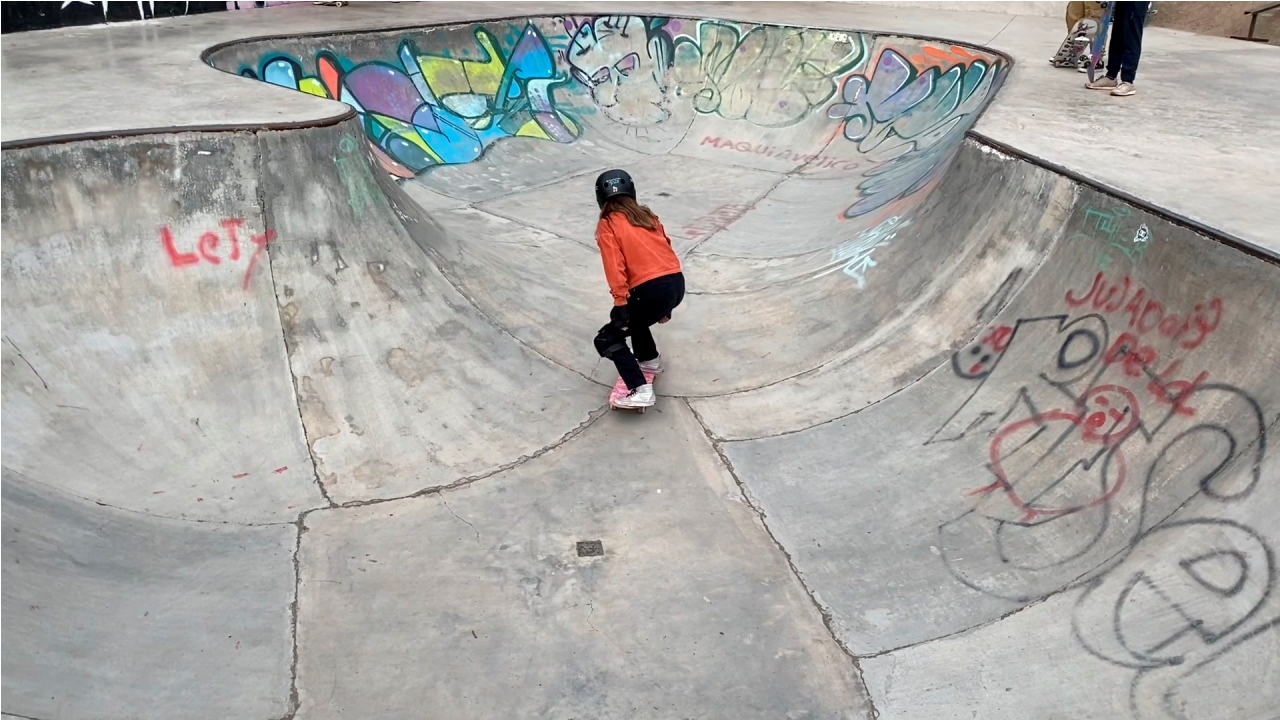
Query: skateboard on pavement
[620, 391]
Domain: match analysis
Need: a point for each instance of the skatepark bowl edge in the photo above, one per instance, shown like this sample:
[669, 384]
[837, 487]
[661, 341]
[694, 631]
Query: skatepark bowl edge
[306, 421]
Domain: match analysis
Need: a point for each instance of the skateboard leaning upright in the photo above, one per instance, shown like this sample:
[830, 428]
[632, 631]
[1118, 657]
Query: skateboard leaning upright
[1100, 41]
[1075, 49]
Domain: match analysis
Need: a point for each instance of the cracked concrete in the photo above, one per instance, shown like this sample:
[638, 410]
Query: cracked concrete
[692, 604]
[282, 461]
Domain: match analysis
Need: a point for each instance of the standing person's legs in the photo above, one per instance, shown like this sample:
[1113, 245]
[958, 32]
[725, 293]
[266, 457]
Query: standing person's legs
[1135, 15]
[1116, 46]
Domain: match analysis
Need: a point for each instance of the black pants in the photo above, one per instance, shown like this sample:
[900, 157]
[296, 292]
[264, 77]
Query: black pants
[1126, 40]
[649, 302]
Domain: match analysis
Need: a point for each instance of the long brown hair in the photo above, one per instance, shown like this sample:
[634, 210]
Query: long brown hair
[635, 213]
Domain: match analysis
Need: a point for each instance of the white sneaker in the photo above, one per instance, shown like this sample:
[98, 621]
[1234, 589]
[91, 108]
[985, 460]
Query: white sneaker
[1124, 89]
[654, 366]
[641, 397]
[1102, 83]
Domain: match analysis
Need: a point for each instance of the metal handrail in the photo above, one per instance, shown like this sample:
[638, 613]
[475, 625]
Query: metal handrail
[1253, 22]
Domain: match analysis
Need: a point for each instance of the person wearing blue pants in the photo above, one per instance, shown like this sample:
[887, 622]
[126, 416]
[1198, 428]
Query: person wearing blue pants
[1124, 50]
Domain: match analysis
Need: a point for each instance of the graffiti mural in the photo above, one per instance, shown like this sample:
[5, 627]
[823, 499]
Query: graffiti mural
[1096, 433]
[434, 109]
[911, 120]
[769, 77]
[643, 80]
[636, 67]
[624, 62]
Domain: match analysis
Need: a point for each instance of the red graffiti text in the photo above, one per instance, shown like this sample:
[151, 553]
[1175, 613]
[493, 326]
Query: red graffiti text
[209, 247]
[1146, 313]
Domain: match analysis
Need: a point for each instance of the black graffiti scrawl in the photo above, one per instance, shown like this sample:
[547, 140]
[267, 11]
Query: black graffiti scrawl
[1118, 472]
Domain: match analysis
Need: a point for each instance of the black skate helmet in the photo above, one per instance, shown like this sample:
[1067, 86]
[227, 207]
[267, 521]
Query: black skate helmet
[612, 183]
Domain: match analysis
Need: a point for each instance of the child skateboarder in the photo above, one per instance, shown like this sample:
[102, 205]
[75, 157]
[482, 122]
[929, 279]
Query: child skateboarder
[644, 278]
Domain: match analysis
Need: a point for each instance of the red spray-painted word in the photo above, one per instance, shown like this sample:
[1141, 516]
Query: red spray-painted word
[817, 161]
[719, 219]
[1135, 358]
[206, 248]
[1147, 314]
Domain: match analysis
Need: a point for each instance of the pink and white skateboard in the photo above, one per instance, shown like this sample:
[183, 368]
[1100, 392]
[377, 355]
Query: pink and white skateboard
[620, 391]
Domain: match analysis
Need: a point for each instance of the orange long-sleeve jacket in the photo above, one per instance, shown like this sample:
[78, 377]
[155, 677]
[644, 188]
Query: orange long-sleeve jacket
[633, 255]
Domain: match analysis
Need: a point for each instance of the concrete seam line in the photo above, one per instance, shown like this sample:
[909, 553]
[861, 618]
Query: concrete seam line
[750, 206]
[1001, 31]
[294, 699]
[823, 612]
[494, 213]
[260, 168]
[593, 416]
[132, 511]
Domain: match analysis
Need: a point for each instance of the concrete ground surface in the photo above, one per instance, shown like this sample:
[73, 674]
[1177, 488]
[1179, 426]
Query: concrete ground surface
[966, 410]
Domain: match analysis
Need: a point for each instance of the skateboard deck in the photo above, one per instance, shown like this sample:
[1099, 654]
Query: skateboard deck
[1100, 41]
[620, 391]
[1074, 51]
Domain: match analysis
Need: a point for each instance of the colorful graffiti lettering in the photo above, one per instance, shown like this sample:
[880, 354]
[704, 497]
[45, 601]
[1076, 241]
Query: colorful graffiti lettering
[769, 77]
[854, 257]
[207, 247]
[636, 67]
[436, 110]
[910, 120]
[1073, 461]
[650, 77]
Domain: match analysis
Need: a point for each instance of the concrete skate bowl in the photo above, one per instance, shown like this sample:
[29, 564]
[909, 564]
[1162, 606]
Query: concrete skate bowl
[306, 421]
